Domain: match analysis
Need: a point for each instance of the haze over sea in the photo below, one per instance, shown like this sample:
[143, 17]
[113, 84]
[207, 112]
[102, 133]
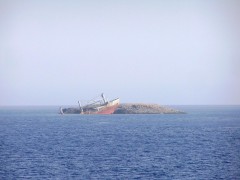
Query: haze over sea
[38, 143]
[150, 51]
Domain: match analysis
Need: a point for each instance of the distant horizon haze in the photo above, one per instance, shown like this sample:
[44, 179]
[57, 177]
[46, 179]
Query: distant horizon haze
[164, 52]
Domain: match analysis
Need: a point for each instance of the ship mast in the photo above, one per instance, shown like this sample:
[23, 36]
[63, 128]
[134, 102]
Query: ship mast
[104, 99]
[80, 107]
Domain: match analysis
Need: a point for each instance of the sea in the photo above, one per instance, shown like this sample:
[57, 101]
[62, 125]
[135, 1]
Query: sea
[38, 143]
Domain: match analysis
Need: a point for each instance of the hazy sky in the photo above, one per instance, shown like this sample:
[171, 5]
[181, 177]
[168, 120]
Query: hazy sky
[166, 52]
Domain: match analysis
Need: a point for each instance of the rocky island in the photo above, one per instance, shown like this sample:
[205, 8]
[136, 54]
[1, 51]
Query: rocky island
[133, 108]
[141, 108]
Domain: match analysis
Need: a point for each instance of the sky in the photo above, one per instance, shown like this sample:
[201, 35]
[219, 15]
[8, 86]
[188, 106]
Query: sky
[168, 52]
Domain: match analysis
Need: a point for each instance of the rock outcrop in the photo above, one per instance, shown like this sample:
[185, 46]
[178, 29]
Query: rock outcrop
[71, 110]
[145, 109]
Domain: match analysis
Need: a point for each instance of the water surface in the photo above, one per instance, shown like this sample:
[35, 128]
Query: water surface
[38, 143]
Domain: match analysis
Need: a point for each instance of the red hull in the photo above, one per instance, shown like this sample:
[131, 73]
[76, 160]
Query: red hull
[94, 107]
[108, 110]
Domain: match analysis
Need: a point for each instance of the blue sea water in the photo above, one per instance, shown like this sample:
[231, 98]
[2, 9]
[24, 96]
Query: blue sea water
[38, 143]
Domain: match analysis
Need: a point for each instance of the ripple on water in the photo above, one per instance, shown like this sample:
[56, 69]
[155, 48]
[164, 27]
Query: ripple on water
[198, 145]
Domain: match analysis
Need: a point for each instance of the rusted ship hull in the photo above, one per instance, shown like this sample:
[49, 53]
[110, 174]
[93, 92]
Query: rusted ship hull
[94, 106]
[107, 108]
